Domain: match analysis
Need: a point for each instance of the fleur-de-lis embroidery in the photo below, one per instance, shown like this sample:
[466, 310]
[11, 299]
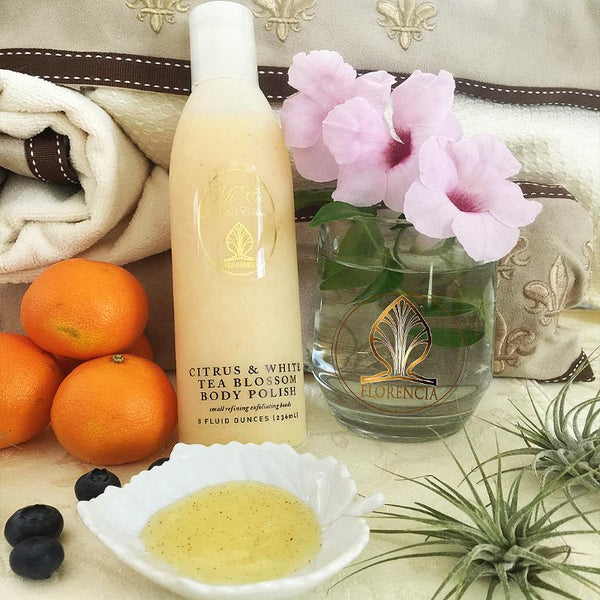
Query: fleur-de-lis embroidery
[158, 11]
[549, 299]
[284, 15]
[510, 347]
[516, 258]
[406, 20]
[588, 252]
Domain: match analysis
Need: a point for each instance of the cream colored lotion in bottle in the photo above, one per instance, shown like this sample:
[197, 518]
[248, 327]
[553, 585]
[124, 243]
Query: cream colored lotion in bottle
[235, 274]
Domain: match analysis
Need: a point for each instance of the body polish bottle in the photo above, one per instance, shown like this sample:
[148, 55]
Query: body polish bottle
[235, 274]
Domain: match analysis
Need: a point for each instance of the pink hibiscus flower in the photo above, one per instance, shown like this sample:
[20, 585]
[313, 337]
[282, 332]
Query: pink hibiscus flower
[375, 164]
[462, 191]
[324, 81]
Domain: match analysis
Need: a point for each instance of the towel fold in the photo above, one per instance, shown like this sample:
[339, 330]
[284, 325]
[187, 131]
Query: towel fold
[112, 206]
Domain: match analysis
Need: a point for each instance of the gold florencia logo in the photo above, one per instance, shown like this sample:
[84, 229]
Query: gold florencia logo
[239, 242]
[397, 335]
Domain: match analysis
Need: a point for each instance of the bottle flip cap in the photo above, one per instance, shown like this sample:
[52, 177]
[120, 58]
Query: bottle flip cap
[222, 41]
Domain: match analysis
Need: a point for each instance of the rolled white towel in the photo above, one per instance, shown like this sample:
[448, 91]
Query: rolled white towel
[120, 211]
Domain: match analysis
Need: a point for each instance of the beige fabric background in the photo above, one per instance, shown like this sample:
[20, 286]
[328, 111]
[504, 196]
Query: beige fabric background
[550, 43]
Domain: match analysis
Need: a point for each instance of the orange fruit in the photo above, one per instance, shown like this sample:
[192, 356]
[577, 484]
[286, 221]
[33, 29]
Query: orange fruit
[114, 409]
[66, 364]
[141, 347]
[29, 378]
[82, 309]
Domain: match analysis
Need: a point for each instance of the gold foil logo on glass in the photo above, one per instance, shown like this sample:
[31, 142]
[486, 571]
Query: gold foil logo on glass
[236, 222]
[400, 339]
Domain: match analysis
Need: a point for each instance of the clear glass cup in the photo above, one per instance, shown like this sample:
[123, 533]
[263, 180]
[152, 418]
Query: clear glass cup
[403, 342]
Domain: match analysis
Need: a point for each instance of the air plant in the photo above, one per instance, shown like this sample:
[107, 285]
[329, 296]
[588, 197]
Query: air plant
[497, 536]
[564, 442]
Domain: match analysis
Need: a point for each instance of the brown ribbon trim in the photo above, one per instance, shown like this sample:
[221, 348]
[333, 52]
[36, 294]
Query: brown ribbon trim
[47, 155]
[585, 374]
[531, 189]
[173, 76]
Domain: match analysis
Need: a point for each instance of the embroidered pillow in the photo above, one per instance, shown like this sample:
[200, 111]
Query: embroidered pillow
[547, 272]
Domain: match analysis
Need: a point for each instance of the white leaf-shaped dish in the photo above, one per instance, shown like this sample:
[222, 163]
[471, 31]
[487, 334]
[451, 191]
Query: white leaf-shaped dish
[118, 516]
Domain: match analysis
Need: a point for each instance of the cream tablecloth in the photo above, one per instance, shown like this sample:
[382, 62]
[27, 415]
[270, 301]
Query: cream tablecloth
[40, 471]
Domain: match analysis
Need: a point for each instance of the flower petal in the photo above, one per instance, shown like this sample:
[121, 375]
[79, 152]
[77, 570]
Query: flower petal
[302, 120]
[355, 131]
[423, 100]
[360, 184]
[375, 87]
[483, 158]
[323, 75]
[399, 179]
[449, 128]
[436, 167]
[430, 211]
[507, 203]
[316, 162]
[483, 237]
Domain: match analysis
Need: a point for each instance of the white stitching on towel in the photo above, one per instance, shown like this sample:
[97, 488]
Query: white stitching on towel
[60, 163]
[35, 169]
[127, 59]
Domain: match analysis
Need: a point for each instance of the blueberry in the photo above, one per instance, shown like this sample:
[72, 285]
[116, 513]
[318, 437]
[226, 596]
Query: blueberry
[158, 462]
[37, 557]
[92, 484]
[34, 520]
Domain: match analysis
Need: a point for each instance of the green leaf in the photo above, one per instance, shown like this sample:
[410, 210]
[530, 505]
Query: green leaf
[444, 307]
[362, 245]
[306, 198]
[334, 211]
[450, 337]
[338, 276]
[386, 281]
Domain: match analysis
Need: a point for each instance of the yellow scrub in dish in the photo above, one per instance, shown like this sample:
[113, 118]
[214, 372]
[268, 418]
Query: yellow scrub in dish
[235, 533]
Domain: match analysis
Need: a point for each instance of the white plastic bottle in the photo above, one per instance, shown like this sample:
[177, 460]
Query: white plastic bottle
[235, 275]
